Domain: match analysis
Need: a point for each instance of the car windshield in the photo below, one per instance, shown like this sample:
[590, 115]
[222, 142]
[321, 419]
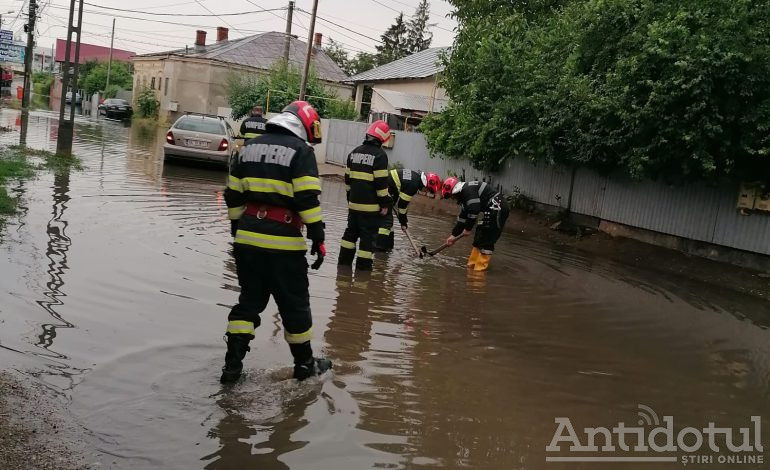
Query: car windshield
[209, 126]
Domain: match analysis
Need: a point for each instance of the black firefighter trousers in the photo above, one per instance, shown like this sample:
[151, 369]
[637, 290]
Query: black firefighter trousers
[264, 273]
[363, 226]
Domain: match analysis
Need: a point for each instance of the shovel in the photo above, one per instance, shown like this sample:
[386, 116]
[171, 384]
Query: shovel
[425, 251]
[418, 252]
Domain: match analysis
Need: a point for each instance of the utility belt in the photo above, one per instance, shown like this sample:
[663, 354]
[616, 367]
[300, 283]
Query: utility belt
[276, 213]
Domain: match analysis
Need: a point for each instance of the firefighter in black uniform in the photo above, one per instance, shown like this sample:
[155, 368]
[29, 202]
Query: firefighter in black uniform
[402, 186]
[366, 183]
[254, 125]
[272, 192]
[479, 202]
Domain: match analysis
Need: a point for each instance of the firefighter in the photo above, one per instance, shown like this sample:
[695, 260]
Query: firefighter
[402, 186]
[479, 202]
[366, 184]
[272, 192]
[254, 125]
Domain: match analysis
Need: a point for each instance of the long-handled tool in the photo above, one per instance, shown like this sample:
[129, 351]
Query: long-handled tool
[425, 251]
[409, 237]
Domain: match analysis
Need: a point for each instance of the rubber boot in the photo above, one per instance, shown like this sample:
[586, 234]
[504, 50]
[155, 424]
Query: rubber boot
[474, 257]
[305, 365]
[482, 263]
[314, 367]
[237, 347]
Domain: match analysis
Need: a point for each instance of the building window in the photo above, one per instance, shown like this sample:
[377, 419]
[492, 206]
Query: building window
[152, 83]
[165, 92]
[160, 83]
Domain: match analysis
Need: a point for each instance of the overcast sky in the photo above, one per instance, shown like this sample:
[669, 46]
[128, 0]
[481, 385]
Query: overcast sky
[367, 19]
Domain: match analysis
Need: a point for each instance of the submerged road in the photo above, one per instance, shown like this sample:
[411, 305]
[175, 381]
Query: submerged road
[117, 280]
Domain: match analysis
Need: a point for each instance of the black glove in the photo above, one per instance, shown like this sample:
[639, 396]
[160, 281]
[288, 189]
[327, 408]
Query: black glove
[233, 227]
[318, 249]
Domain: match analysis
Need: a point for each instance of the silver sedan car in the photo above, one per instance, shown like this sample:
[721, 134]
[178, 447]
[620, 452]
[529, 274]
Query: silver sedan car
[200, 137]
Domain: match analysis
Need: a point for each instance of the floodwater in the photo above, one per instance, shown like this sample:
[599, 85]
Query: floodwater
[115, 287]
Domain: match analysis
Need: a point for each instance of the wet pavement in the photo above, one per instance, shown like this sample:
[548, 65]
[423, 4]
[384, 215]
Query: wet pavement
[116, 282]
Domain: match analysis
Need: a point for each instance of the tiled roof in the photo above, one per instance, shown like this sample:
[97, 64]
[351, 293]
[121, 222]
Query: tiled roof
[419, 65]
[262, 51]
[411, 101]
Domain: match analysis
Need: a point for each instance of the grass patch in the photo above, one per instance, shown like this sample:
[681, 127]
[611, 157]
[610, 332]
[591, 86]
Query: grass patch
[15, 163]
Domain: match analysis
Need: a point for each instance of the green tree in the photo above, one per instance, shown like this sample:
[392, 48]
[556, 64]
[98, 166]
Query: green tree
[394, 42]
[674, 90]
[96, 77]
[248, 90]
[418, 35]
[362, 62]
[147, 103]
[339, 55]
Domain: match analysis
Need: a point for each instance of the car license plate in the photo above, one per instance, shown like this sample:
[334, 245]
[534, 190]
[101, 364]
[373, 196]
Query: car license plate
[197, 143]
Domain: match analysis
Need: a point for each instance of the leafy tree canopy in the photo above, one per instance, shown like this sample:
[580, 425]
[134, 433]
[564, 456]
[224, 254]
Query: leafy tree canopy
[671, 89]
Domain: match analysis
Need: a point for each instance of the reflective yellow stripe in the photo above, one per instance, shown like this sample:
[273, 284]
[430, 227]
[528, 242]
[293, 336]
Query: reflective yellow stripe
[405, 197]
[382, 192]
[365, 254]
[396, 179]
[380, 173]
[347, 170]
[234, 183]
[273, 242]
[311, 216]
[235, 213]
[360, 175]
[364, 207]
[348, 245]
[384, 231]
[240, 327]
[298, 338]
[401, 210]
[306, 183]
[249, 135]
[265, 185]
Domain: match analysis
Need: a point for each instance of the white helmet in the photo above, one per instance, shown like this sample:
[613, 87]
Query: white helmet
[289, 122]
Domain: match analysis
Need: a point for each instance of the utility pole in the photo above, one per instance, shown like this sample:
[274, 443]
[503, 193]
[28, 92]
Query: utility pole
[28, 56]
[303, 87]
[287, 39]
[66, 127]
[109, 64]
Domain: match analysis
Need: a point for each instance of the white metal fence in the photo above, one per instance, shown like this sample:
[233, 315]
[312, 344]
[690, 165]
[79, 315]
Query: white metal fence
[695, 211]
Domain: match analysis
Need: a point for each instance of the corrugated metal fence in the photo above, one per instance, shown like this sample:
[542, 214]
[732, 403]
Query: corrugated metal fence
[697, 211]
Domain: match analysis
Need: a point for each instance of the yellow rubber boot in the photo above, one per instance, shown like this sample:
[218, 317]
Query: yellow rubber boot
[473, 258]
[482, 263]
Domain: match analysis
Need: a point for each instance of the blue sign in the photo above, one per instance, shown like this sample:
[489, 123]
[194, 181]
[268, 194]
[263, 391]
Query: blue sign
[6, 35]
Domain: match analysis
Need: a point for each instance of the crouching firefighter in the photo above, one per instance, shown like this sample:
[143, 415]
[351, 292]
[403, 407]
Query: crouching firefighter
[402, 186]
[272, 192]
[481, 205]
[366, 184]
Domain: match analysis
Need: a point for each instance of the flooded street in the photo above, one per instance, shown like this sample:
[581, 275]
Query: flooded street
[117, 281]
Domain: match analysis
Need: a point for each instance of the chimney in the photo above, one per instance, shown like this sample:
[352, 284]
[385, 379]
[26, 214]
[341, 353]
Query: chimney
[222, 33]
[200, 39]
[318, 40]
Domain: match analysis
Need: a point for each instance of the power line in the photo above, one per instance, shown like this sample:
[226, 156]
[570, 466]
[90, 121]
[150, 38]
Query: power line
[218, 15]
[401, 12]
[223, 20]
[269, 11]
[343, 27]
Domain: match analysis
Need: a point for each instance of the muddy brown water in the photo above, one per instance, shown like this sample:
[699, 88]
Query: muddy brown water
[116, 283]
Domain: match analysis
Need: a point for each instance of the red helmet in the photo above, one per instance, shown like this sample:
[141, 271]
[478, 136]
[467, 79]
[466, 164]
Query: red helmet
[379, 130]
[432, 182]
[448, 188]
[301, 119]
